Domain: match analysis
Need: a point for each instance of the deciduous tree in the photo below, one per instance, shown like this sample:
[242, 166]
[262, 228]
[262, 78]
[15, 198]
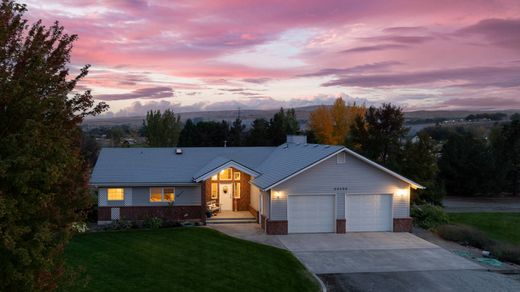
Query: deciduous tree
[162, 129]
[43, 177]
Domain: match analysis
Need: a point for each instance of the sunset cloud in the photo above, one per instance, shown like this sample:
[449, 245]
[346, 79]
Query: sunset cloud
[189, 52]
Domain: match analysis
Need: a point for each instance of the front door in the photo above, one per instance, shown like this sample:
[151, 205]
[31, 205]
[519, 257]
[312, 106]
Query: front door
[226, 197]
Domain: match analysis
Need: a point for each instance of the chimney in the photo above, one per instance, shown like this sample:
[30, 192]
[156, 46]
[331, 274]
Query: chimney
[297, 139]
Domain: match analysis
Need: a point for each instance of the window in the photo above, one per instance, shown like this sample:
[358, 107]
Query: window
[162, 195]
[236, 194]
[169, 194]
[236, 175]
[214, 191]
[116, 194]
[226, 174]
[341, 159]
[214, 177]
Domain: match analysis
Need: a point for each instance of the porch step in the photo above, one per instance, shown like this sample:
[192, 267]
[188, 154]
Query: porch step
[231, 220]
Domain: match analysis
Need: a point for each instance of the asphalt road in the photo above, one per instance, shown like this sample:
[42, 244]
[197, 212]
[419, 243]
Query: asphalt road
[455, 280]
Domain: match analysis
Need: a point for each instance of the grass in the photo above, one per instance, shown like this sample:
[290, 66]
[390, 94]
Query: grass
[183, 259]
[498, 226]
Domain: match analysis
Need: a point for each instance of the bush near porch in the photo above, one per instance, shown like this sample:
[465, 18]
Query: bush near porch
[183, 259]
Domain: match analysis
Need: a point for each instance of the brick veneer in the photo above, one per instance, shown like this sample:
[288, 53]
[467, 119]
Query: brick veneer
[341, 225]
[176, 213]
[403, 224]
[278, 227]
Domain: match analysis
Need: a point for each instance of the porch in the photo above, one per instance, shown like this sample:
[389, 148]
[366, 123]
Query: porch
[232, 217]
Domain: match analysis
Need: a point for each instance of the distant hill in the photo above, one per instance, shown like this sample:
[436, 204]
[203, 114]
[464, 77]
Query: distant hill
[302, 113]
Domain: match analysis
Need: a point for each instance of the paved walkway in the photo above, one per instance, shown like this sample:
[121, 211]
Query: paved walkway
[249, 231]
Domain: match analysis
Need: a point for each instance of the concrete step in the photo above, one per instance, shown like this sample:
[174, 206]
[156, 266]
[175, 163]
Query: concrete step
[231, 221]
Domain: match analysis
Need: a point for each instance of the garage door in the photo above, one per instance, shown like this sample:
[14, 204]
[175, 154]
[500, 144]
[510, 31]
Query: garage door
[369, 212]
[311, 213]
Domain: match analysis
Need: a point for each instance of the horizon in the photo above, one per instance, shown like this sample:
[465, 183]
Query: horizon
[208, 56]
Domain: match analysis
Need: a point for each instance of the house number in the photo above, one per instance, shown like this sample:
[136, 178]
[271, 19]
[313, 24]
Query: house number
[340, 188]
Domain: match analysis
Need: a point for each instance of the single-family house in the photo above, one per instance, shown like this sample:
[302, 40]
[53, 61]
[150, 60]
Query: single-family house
[292, 188]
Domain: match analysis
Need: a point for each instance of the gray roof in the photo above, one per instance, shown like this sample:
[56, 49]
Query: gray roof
[132, 166]
[156, 166]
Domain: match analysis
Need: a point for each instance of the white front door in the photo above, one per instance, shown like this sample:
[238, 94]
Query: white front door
[226, 197]
[311, 213]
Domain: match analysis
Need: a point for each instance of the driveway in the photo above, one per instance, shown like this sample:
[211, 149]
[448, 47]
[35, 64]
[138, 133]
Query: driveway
[371, 252]
[379, 261]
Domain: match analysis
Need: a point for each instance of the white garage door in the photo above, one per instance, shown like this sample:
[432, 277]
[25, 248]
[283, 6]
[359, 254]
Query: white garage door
[311, 213]
[369, 212]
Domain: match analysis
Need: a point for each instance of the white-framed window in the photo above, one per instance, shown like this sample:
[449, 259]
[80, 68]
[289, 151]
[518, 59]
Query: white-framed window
[214, 191]
[214, 177]
[236, 194]
[166, 194]
[236, 175]
[226, 174]
[341, 158]
[116, 194]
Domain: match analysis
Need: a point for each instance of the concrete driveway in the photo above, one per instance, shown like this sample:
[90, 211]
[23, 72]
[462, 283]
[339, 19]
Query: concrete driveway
[371, 252]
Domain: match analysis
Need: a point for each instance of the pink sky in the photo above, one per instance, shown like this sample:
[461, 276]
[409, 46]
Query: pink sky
[207, 55]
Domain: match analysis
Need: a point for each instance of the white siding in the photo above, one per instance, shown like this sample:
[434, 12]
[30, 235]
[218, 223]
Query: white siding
[265, 201]
[140, 196]
[340, 206]
[356, 175]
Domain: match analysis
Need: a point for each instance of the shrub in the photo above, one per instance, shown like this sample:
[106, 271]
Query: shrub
[507, 252]
[119, 225]
[465, 235]
[428, 216]
[79, 227]
[153, 223]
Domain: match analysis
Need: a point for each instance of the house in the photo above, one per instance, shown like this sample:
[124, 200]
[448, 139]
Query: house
[293, 188]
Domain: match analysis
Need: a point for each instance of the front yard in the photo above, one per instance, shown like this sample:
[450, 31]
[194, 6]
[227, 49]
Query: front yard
[499, 226]
[183, 259]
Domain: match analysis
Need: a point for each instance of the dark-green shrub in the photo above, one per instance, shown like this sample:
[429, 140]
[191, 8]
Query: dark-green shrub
[153, 223]
[428, 216]
[506, 252]
[465, 235]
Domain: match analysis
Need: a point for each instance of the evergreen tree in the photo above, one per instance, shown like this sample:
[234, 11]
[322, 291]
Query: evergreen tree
[189, 134]
[236, 133]
[282, 124]
[259, 133]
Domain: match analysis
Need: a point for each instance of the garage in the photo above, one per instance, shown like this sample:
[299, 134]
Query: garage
[311, 214]
[369, 212]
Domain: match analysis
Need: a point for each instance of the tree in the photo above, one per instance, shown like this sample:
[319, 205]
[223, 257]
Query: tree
[332, 125]
[466, 165]
[189, 134]
[282, 124]
[162, 130]
[515, 117]
[321, 125]
[236, 133]
[419, 163]
[379, 134]
[43, 177]
[505, 145]
[259, 133]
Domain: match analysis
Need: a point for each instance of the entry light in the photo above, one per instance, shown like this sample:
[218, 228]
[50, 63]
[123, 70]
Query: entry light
[401, 192]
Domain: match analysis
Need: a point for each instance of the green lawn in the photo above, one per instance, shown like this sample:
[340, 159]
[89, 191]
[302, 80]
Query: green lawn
[499, 226]
[184, 259]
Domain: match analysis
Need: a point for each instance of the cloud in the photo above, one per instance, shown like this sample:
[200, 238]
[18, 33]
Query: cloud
[260, 102]
[472, 76]
[501, 32]
[485, 103]
[379, 66]
[374, 48]
[260, 80]
[144, 93]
